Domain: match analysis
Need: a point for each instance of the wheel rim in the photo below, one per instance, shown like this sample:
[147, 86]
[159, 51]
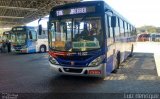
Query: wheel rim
[42, 49]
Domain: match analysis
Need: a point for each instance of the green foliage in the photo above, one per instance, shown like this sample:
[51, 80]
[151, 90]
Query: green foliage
[1, 31]
[149, 29]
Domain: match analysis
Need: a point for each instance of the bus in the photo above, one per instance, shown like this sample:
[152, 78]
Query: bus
[25, 39]
[88, 38]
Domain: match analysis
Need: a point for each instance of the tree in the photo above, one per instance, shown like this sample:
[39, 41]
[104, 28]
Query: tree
[147, 29]
[1, 31]
[158, 29]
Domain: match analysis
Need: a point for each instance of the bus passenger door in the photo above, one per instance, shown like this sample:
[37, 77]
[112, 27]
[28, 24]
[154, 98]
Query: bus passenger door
[110, 44]
[31, 42]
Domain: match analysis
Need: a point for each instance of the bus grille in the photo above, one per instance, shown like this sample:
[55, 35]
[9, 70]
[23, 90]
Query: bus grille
[72, 70]
[76, 64]
[74, 58]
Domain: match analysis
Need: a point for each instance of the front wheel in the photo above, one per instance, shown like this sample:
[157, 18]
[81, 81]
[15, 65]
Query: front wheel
[42, 49]
[116, 63]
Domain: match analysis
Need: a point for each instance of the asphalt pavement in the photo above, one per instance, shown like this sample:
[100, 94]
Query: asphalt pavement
[30, 73]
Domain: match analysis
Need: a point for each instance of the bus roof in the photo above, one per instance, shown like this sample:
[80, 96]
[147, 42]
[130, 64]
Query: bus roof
[88, 3]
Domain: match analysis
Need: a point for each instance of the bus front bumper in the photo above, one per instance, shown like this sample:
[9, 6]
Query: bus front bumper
[98, 71]
[20, 50]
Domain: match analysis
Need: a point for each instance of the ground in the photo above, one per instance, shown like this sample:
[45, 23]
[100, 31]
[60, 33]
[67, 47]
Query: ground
[30, 73]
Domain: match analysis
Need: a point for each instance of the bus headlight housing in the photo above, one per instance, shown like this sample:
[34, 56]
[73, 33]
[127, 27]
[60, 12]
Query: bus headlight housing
[97, 61]
[53, 60]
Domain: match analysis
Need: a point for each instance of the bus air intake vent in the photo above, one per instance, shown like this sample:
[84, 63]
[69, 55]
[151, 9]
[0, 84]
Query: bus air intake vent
[71, 70]
[72, 58]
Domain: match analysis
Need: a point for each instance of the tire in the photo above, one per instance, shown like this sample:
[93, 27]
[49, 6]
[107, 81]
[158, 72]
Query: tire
[104, 72]
[42, 49]
[117, 63]
[131, 53]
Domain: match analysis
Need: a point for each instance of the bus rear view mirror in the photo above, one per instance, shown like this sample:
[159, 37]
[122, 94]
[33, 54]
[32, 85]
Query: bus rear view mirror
[113, 21]
[40, 29]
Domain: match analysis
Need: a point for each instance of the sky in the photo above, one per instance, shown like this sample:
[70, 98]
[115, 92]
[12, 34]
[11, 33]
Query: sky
[138, 12]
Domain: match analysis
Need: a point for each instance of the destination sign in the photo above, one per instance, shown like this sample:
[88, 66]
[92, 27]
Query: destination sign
[6, 33]
[80, 10]
[18, 29]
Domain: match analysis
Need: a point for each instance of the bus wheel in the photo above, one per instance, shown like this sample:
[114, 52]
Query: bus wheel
[42, 49]
[116, 63]
[131, 53]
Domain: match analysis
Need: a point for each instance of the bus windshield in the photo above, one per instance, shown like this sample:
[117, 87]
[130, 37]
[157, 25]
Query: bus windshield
[76, 34]
[18, 38]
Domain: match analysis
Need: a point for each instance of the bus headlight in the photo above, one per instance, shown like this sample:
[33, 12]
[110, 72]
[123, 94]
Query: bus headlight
[53, 60]
[97, 61]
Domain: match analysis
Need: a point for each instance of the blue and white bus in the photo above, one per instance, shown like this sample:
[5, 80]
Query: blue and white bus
[88, 38]
[25, 39]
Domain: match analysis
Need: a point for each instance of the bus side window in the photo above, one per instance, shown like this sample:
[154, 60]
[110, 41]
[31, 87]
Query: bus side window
[129, 33]
[116, 28]
[110, 31]
[121, 28]
[131, 30]
[125, 28]
[110, 39]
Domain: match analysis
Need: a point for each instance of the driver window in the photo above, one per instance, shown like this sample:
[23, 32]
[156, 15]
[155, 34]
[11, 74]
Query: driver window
[30, 35]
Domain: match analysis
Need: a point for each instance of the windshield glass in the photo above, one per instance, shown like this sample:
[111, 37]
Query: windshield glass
[76, 34]
[18, 38]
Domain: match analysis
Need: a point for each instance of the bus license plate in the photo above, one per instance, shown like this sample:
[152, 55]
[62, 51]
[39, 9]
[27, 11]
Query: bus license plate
[94, 72]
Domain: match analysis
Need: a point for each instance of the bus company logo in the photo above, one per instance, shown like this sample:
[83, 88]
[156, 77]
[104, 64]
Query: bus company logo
[72, 63]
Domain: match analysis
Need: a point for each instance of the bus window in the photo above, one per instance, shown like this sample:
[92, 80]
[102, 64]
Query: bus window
[110, 39]
[68, 30]
[63, 27]
[32, 35]
[117, 34]
[79, 30]
[128, 28]
[110, 31]
[121, 28]
[125, 29]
